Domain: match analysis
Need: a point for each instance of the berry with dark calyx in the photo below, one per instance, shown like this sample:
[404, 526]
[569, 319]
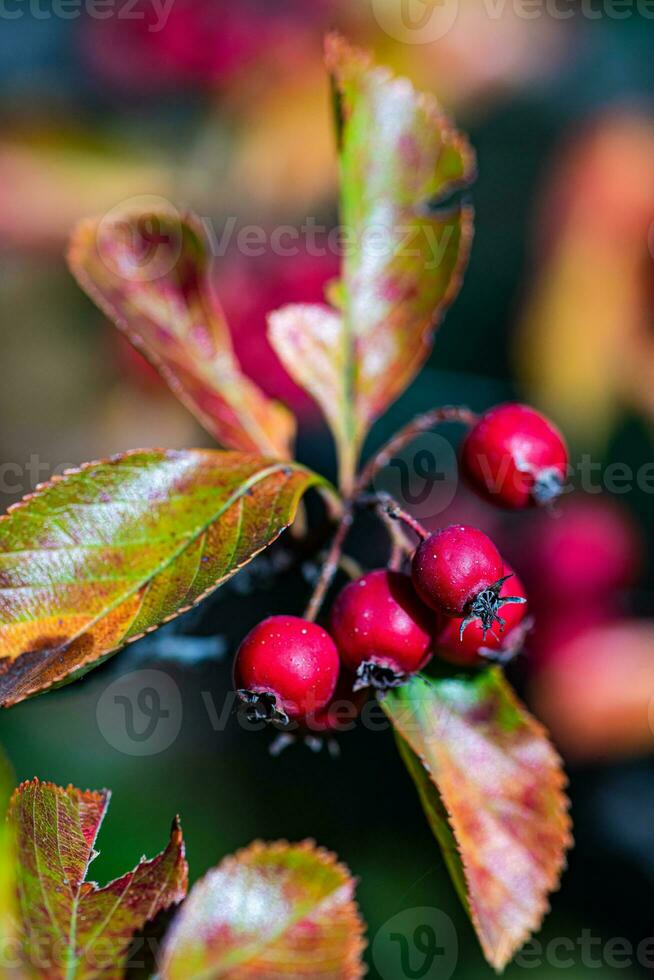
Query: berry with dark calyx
[340, 715]
[514, 457]
[319, 730]
[285, 669]
[459, 572]
[382, 630]
[499, 644]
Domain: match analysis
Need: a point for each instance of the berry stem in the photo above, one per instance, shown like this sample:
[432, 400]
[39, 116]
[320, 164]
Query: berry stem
[387, 506]
[422, 423]
[330, 566]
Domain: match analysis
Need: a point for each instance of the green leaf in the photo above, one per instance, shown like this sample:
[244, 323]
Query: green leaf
[405, 249]
[71, 929]
[492, 788]
[273, 911]
[9, 940]
[148, 270]
[108, 552]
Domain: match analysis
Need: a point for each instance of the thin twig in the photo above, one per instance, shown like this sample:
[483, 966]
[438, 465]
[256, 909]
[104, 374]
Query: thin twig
[330, 566]
[422, 423]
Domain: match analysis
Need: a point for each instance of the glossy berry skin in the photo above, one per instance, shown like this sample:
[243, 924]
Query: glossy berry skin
[290, 660]
[470, 648]
[453, 566]
[340, 715]
[515, 457]
[379, 620]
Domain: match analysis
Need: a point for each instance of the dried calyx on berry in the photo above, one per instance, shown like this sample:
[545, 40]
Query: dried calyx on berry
[383, 631]
[471, 645]
[286, 669]
[514, 456]
[486, 605]
[458, 571]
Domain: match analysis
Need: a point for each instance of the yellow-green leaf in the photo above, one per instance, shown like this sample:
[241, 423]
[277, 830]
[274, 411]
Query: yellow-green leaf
[405, 245]
[108, 552]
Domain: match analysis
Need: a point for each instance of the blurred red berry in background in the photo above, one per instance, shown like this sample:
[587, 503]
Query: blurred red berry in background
[251, 288]
[193, 42]
[588, 552]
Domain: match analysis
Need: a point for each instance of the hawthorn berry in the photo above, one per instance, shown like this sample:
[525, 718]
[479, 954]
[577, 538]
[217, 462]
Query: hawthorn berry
[382, 630]
[515, 457]
[286, 668]
[342, 711]
[459, 572]
[472, 647]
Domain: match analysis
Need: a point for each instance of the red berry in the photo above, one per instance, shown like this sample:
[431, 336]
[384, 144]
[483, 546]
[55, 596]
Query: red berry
[342, 711]
[459, 572]
[286, 668]
[589, 554]
[472, 647]
[382, 630]
[514, 457]
[452, 566]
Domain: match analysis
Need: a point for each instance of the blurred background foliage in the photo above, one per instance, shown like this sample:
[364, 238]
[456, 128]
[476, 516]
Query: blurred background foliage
[225, 109]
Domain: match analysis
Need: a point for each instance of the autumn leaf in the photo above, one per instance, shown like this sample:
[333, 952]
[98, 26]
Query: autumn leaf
[98, 557]
[492, 787]
[273, 911]
[147, 268]
[71, 929]
[404, 250]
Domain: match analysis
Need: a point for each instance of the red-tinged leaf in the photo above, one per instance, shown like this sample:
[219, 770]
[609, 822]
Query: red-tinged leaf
[71, 929]
[105, 553]
[275, 911]
[492, 787]
[147, 269]
[405, 248]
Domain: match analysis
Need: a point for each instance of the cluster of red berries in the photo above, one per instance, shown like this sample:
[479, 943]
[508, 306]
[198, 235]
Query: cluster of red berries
[461, 600]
